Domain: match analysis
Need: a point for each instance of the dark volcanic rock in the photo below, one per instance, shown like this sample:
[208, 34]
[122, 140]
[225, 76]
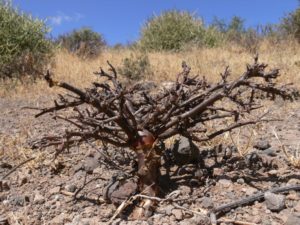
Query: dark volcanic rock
[269, 152]
[19, 200]
[3, 221]
[185, 151]
[120, 191]
[262, 144]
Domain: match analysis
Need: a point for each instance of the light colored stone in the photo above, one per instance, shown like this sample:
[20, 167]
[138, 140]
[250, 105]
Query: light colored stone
[274, 202]
[225, 182]
[293, 196]
[273, 172]
[293, 219]
[39, 199]
[283, 215]
[293, 181]
[257, 219]
[207, 203]
[168, 209]
[249, 190]
[54, 190]
[185, 190]
[297, 207]
[195, 220]
[240, 181]
[178, 214]
[90, 164]
[71, 188]
[218, 172]
[59, 219]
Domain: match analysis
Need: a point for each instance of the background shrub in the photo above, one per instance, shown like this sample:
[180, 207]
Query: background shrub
[135, 67]
[24, 48]
[84, 42]
[231, 31]
[235, 32]
[290, 24]
[172, 30]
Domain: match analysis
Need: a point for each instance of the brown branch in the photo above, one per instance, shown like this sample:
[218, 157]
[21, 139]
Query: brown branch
[117, 113]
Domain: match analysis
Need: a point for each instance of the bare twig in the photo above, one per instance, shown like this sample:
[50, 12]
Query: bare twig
[253, 198]
[237, 222]
[16, 167]
[293, 159]
[130, 201]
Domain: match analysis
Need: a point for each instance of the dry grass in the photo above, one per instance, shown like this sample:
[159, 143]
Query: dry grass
[165, 65]
[15, 147]
[292, 155]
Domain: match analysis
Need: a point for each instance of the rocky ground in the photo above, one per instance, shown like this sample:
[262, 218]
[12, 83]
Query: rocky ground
[78, 186]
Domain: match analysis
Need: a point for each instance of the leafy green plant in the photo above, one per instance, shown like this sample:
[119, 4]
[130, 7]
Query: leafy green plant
[24, 47]
[172, 30]
[84, 42]
[135, 67]
[234, 31]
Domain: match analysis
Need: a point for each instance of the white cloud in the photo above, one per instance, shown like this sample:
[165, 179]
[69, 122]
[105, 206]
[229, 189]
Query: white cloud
[55, 20]
[61, 18]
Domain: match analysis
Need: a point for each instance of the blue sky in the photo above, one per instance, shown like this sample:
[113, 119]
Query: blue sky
[120, 21]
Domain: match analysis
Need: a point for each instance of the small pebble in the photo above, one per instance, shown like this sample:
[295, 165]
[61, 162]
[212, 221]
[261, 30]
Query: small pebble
[240, 181]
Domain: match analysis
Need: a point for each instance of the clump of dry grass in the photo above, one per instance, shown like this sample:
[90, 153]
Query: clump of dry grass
[293, 156]
[244, 147]
[14, 148]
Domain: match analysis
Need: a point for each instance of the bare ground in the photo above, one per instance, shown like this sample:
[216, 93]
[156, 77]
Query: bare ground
[47, 191]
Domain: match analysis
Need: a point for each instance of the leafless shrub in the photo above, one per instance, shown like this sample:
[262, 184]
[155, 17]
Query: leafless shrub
[134, 118]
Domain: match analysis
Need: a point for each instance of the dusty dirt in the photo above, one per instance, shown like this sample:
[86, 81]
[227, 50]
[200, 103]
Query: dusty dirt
[47, 191]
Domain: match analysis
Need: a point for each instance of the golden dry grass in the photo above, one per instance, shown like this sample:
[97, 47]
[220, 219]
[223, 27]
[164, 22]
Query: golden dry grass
[165, 65]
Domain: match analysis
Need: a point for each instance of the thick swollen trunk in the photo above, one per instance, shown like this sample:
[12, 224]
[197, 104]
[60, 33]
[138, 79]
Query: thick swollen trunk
[148, 172]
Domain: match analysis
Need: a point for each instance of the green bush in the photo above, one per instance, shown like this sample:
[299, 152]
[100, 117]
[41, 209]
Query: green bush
[231, 31]
[290, 24]
[84, 42]
[211, 38]
[24, 48]
[172, 30]
[235, 32]
[135, 67]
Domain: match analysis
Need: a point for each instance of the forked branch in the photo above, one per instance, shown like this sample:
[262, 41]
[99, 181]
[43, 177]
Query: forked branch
[121, 117]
